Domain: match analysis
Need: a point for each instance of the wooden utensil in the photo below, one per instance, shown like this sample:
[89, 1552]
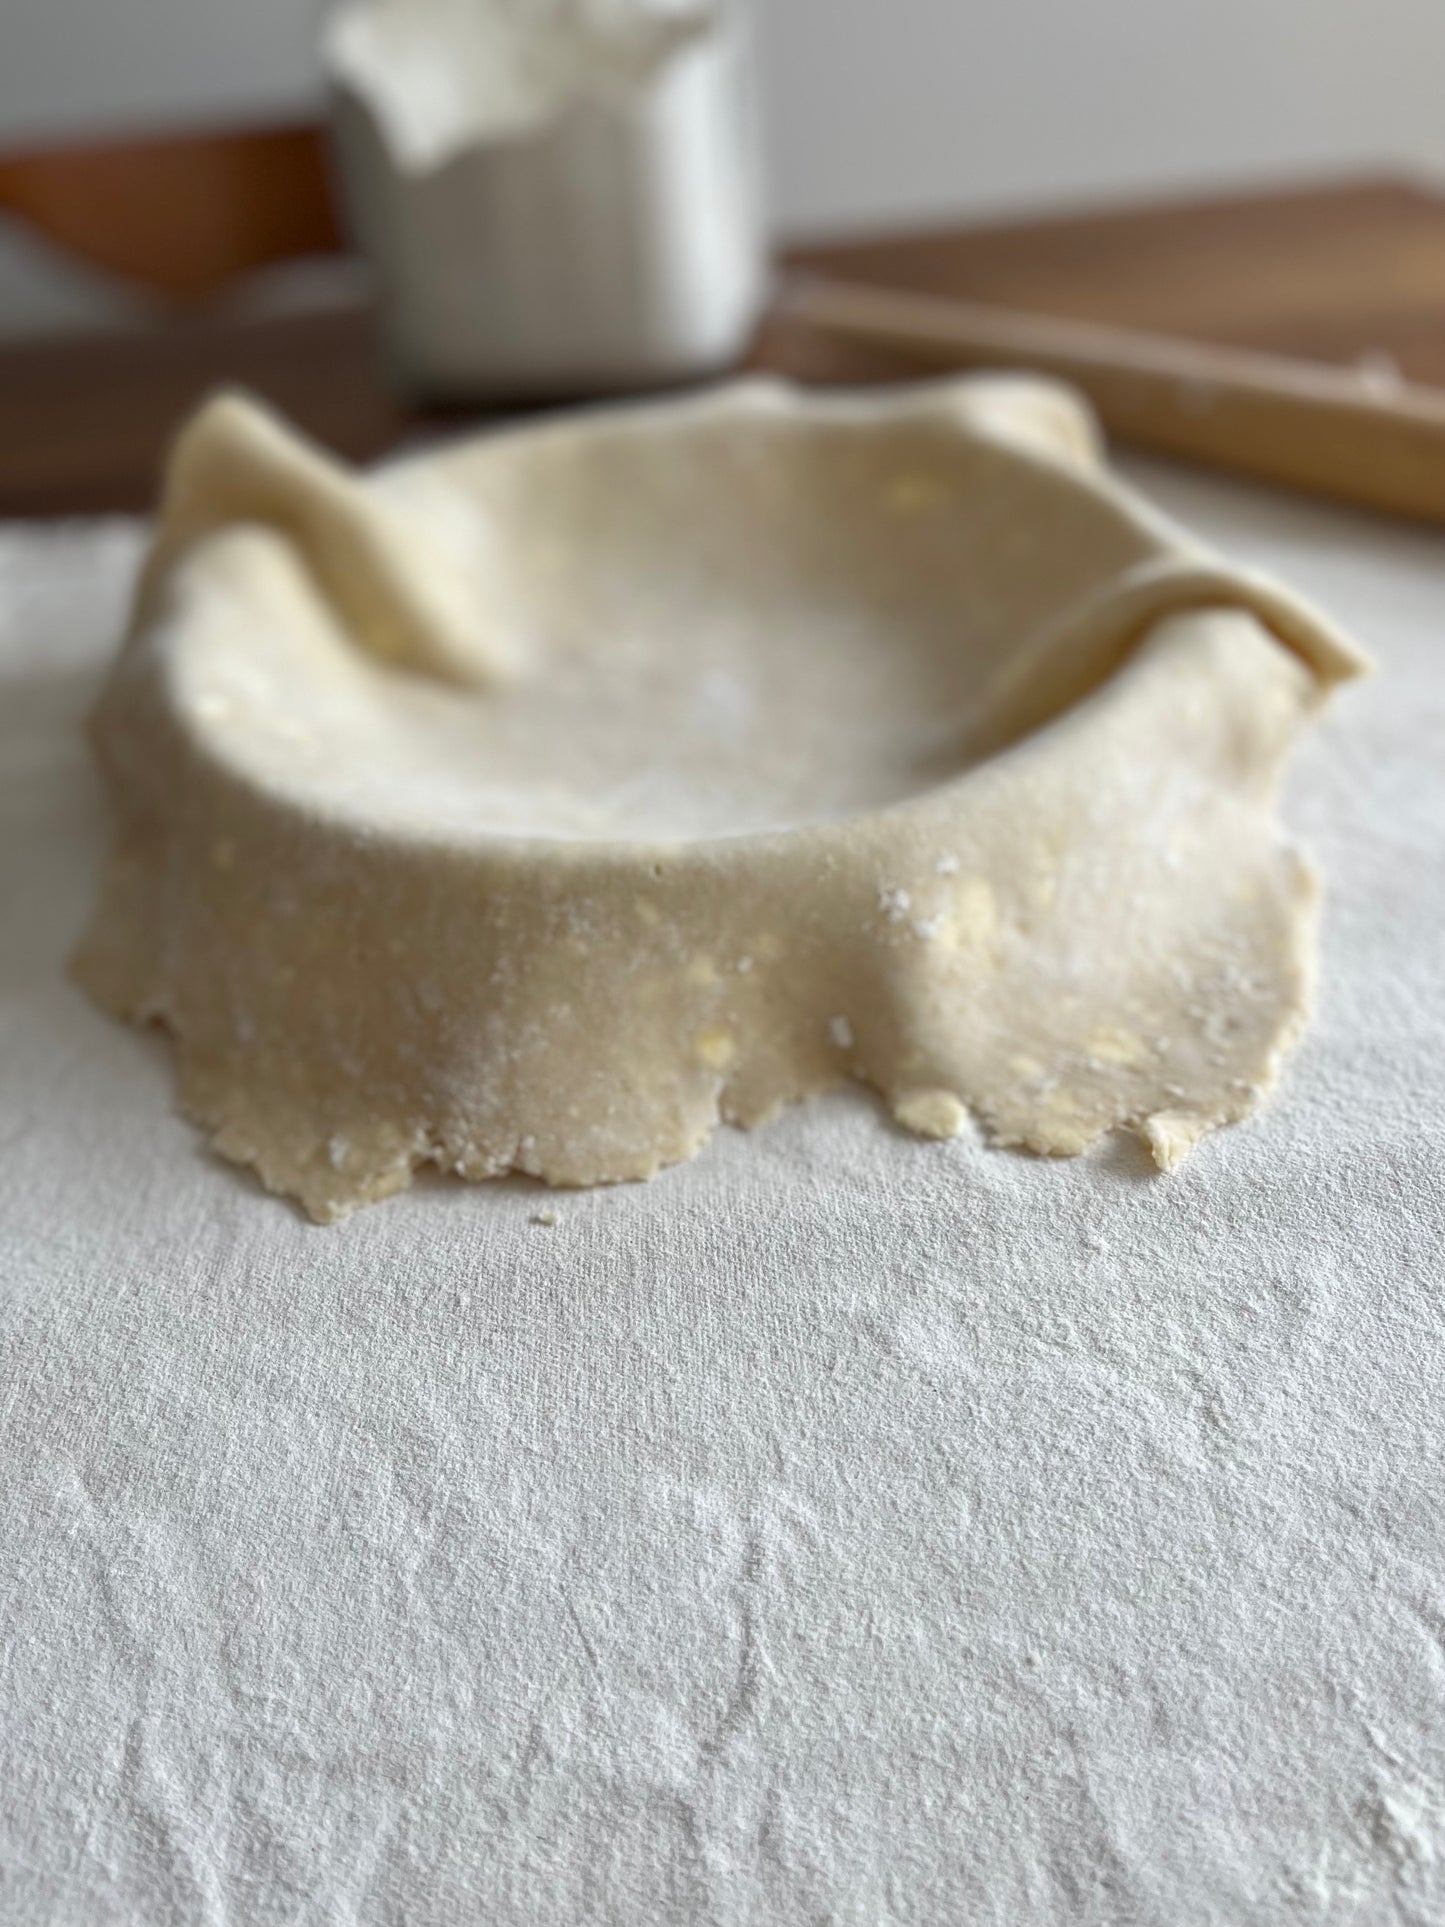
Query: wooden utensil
[1358, 435]
[182, 215]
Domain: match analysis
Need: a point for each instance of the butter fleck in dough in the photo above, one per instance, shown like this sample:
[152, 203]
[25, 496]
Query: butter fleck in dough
[931, 1113]
[537, 804]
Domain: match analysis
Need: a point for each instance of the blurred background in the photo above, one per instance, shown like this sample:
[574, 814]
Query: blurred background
[876, 113]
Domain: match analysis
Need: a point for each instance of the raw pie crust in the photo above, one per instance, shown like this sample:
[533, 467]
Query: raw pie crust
[535, 804]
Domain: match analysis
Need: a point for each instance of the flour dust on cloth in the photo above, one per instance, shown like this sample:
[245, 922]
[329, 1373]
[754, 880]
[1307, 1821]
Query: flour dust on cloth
[843, 1528]
[534, 805]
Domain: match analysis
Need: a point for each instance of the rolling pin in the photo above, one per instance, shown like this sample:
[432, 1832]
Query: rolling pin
[1359, 435]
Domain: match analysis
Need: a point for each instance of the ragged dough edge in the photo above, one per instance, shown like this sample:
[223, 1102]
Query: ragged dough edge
[235, 1141]
[930, 1113]
[240, 1131]
[299, 1157]
[1171, 1136]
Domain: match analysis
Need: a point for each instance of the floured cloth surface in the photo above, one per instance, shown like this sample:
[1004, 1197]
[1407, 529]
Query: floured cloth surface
[840, 1528]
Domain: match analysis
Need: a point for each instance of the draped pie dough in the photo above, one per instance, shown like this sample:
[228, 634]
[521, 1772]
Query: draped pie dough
[535, 804]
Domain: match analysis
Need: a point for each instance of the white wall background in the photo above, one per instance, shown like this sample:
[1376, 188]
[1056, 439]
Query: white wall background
[882, 109]
[877, 111]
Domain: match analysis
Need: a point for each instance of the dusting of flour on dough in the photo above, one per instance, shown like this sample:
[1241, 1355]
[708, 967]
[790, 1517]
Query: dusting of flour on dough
[543, 802]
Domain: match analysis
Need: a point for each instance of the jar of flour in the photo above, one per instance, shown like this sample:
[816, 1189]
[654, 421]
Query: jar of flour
[557, 195]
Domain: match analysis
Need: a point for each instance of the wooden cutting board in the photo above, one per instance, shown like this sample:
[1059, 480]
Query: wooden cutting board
[1330, 272]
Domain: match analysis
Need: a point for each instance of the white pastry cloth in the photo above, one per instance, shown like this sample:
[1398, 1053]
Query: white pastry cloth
[841, 1528]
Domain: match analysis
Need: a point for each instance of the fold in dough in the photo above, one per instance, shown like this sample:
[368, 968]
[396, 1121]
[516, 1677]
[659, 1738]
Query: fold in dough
[535, 804]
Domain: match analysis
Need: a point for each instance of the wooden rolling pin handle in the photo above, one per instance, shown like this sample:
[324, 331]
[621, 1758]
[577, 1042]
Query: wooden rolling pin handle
[1328, 431]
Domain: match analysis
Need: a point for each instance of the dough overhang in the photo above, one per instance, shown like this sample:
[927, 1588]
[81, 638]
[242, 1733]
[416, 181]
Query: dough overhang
[538, 803]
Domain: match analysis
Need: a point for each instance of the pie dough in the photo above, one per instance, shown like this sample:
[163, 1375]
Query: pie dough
[537, 803]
